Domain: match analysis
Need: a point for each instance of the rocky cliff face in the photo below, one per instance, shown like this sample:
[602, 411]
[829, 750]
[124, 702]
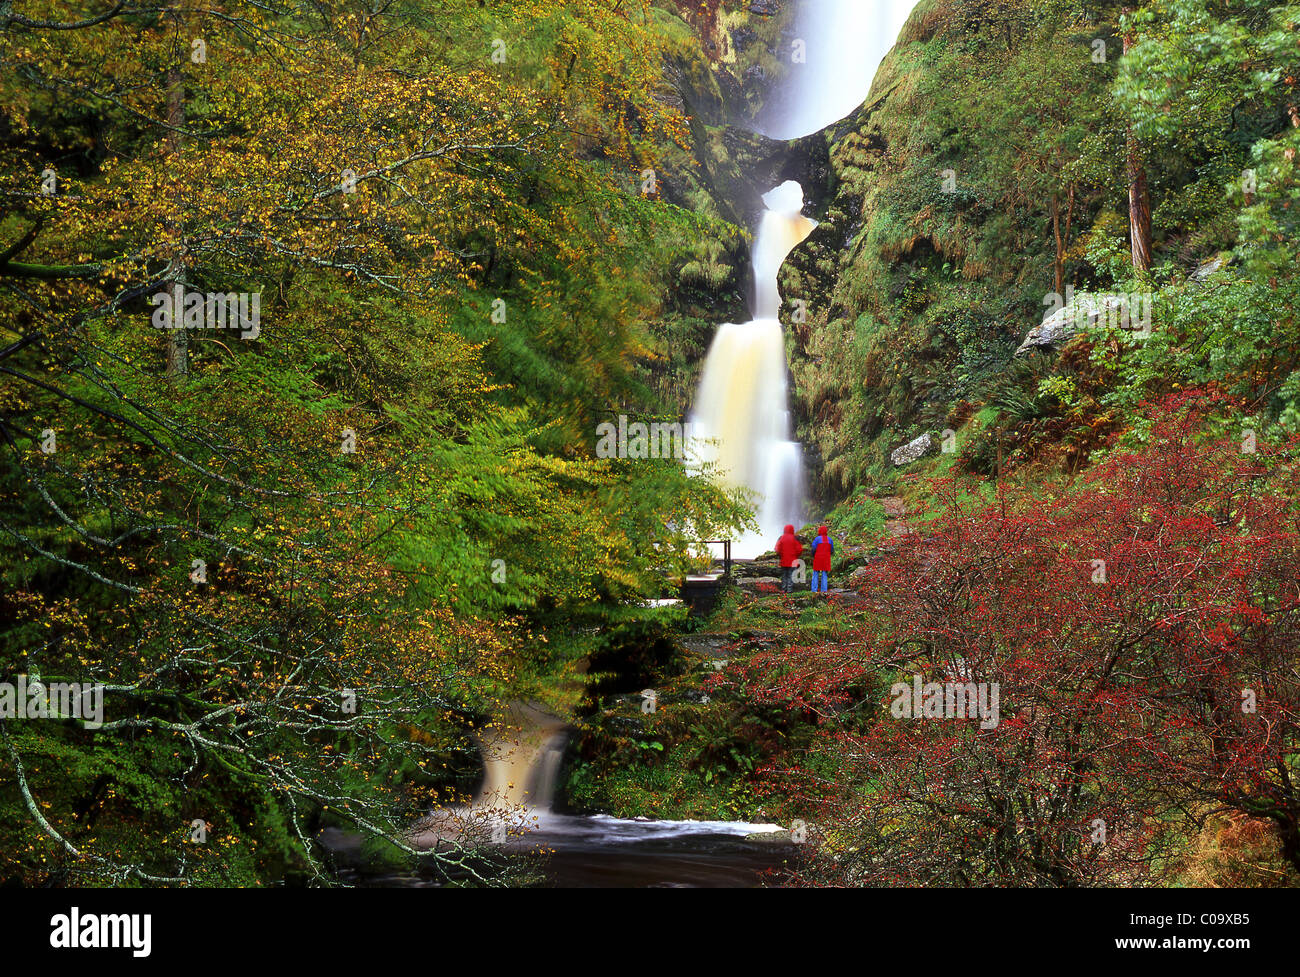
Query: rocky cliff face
[867, 273]
[926, 271]
[918, 288]
[725, 80]
[861, 275]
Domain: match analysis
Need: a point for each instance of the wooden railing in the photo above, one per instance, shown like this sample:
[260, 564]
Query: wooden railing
[726, 555]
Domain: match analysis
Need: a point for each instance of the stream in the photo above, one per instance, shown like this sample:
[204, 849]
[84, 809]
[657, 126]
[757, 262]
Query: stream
[513, 813]
[598, 851]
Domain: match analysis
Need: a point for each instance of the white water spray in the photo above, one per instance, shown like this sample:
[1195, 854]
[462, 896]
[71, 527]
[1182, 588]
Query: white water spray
[742, 412]
[843, 43]
[743, 401]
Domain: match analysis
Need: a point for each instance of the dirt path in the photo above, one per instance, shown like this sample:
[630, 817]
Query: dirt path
[896, 526]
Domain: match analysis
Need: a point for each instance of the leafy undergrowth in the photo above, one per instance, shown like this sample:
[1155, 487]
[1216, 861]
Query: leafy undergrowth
[670, 790]
[1139, 628]
[859, 520]
[1135, 638]
[702, 752]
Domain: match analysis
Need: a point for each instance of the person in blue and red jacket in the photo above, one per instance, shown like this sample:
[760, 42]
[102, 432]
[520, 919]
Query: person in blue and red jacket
[822, 550]
[788, 549]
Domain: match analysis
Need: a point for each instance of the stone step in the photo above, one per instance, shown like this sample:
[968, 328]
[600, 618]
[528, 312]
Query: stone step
[709, 646]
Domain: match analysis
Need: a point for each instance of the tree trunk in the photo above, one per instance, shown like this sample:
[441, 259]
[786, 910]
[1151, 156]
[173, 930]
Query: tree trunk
[1139, 199]
[178, 340]
[1058, 260]
[1061, 238]
[1289, 834]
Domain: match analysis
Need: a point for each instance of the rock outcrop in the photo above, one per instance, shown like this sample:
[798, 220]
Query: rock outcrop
[912, 451]
[1085, 310]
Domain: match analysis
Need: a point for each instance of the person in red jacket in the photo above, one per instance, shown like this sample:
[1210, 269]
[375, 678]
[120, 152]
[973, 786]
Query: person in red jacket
[822, 550]
[788, 549]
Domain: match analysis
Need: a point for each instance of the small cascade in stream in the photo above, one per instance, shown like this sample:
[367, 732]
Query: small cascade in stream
[520, 767]
[522, 754]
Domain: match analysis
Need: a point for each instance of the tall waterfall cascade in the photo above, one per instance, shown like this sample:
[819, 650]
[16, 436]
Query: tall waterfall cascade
[741, 419]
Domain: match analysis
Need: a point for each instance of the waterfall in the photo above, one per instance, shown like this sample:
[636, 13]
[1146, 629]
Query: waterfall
[743, 403]
[741, 421]
[782, 227]
[519, 769]
[842, 45]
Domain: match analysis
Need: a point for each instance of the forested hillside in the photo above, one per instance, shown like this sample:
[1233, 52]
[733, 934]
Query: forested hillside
[1043, 347]
[991, 169]
[307, 544]
[311, 314]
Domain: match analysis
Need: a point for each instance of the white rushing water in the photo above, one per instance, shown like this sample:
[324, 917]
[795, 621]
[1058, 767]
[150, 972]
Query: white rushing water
[522, 754]
[843, 43]
[741, 419]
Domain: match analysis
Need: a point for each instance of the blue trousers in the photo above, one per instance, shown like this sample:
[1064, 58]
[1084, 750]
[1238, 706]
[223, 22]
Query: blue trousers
[824, 581]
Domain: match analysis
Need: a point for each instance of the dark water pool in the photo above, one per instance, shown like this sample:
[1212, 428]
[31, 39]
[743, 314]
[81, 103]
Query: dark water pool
[598, 851]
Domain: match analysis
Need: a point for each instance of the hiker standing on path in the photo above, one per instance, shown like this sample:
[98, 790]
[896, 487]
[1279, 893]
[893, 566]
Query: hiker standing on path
[822, 549]
[788, 549]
